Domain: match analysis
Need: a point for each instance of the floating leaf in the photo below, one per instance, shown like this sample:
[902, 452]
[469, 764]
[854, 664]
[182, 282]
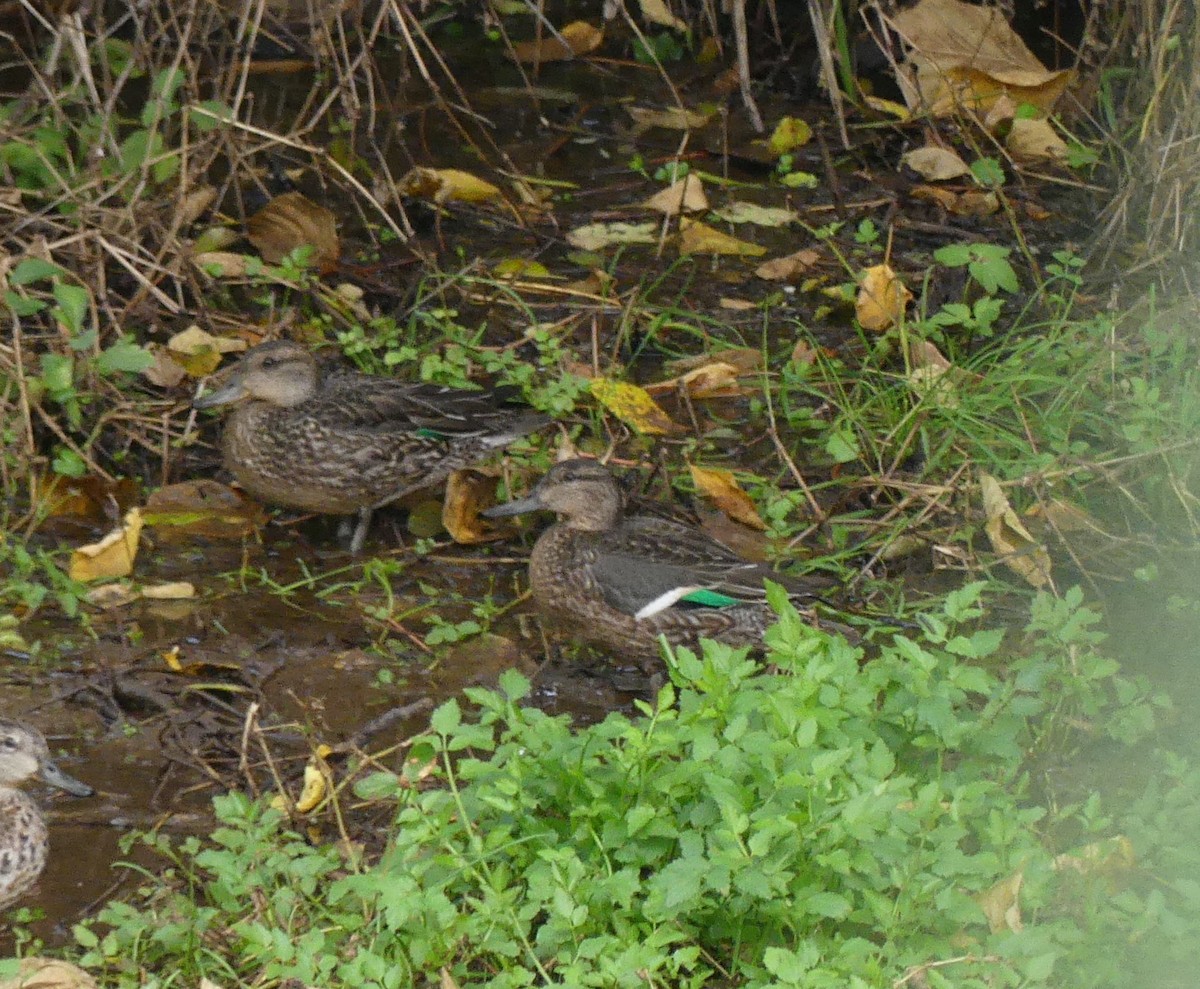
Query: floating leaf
[447, 185]
[113, 555]
[762, 216]
[632, 405]
[520, 268]
[699, 238]
[577, 38]
[595, 236]
[1009, 537]
[175, 590]
[1002, 904]
[882, 298]
[722, 488]
[685, 196]
[971, 202]
[290, 221]
[935, 163]
[671, 118]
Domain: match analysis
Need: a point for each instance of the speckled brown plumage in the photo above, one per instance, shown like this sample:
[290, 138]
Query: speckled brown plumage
[336, 441]
[24, 840]
[620, 582]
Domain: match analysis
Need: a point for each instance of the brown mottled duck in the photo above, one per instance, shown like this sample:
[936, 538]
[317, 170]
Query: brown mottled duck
[339, 442]
[620, 581]
[24, 839]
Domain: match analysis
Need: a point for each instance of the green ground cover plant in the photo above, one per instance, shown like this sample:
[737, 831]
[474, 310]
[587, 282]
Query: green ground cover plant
[840, 822]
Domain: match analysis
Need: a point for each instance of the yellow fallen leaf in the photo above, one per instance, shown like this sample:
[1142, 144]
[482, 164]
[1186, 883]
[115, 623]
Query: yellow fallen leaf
[890, 107]
[447, 185]
[290, 221]
[520, 268]
[1009, 537]
[790, 133]
[699, 238]
[882, 299]
[113, 555]
[656, 12]
[176, 590]
[790, 268]
[632, 405]
[577, 38]
[685, 196]
[198, 352]
[722, 488]
[935, 163]
[316, 782]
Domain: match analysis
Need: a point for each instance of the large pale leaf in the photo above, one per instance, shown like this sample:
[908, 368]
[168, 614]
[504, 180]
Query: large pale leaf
[882, 299]
[113, 555]
[699, 238]
[291, 221]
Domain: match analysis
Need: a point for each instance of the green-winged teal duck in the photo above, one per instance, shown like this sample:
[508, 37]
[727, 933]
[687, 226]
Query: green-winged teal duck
[621, 580]
[336, 441]
[24, 841]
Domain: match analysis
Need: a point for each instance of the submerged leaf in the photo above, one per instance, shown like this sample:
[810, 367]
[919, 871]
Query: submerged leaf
[577, 38]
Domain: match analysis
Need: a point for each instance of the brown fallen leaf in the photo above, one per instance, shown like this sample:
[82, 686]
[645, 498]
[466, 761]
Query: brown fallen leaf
[969, 202]
[968, 56]
[747, 360]
[934, 378]
[226, 264]
[936, 164]
[714, 380]
[293, 220]
[90, 498]
[113, 555]
[633, 405]
[1010, 539]
[722, 488]
[882, 299]
[1035, 140]
[577, 38]
[699, 238]
[47, 973]
[469, 492]
[791, 268]
[685, 196]
[671, 118]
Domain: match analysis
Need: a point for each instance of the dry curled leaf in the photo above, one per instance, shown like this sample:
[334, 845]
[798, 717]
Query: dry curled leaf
[577, 38]
[1009, 537]
[469, 492]
[882, 299]
[716, 379]
[1035, 140]
[722, 488]
[594, 236]
[633, 405]
[113, 555]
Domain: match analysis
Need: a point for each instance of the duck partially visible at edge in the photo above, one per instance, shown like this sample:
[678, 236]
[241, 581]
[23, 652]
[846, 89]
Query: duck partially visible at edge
[24, 839]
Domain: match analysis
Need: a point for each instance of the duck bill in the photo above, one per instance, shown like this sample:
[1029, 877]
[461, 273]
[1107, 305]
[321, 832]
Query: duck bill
[232, 392]
[51, 774]
[519, 507]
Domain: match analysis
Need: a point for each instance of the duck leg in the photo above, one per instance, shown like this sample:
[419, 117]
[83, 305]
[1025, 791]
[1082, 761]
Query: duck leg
[360, 530]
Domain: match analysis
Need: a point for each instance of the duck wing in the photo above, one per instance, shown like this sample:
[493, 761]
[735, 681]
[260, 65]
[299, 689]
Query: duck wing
[648, 564]
[374, 402]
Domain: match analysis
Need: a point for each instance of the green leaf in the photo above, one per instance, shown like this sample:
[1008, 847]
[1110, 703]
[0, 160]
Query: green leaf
[446, 718]
[125, 355]
[34, 270]
[74, 301]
